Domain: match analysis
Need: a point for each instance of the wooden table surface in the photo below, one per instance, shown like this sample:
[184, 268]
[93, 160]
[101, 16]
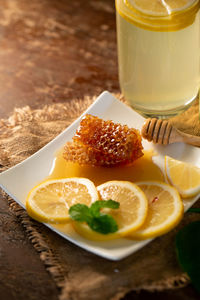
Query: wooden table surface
[52, 51]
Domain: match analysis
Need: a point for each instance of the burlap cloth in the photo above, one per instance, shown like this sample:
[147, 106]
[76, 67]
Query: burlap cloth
[78, 273]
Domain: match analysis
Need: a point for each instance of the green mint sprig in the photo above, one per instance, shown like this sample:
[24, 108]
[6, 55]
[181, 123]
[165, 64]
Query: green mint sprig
[195, 210]
[96, 220]
[187, 249]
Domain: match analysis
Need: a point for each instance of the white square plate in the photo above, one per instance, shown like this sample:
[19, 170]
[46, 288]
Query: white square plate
[18, 180]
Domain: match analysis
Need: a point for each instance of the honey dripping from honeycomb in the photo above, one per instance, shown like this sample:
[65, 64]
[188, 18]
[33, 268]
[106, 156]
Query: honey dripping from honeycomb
[103, 143]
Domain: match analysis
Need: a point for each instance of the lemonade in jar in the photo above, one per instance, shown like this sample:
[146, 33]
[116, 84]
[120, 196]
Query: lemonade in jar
[159, 54]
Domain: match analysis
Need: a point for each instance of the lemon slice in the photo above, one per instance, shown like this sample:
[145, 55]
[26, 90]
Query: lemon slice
[159, 15]
[160, 7]
[133, 204]
[185, 177]
[50, 201]
[130, 215]
[164, 212]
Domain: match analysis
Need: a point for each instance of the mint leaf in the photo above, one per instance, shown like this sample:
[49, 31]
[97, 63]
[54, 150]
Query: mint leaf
[187, 249]
[97, 205]
[97, 221]
[80, 212]
[104, 224]
[195, 210]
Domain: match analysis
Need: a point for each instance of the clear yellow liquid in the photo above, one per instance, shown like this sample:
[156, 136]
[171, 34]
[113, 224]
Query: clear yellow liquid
[159, 72]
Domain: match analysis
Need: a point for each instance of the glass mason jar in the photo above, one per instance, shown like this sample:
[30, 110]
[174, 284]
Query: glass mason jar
[159, 54]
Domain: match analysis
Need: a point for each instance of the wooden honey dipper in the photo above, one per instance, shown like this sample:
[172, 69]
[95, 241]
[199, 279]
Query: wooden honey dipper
[163, 133]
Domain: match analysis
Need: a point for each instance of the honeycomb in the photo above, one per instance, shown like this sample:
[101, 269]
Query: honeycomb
[103, 143]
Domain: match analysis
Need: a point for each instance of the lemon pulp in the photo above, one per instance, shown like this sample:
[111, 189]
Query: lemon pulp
[164, 212]
[50, 200]
[130, 215]
[160, 7]
[183, 176]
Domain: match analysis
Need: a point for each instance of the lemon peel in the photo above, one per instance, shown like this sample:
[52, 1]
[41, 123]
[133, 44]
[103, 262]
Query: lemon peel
[183, 176]
[165, 210]
[50, 201]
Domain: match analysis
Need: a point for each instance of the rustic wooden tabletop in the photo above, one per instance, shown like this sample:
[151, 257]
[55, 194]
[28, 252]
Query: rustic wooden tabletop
[52, 51]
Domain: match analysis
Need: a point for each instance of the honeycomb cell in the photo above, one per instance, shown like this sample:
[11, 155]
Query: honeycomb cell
[103, 143]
